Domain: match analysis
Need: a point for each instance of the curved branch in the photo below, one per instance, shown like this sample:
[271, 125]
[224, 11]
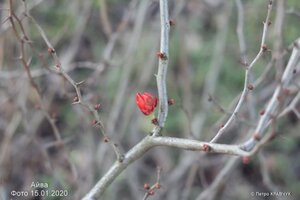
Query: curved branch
[152, 141]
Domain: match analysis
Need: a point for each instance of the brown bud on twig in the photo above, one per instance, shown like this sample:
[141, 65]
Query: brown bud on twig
[94, 122]
[294, 71]
[273, 136]
[262, 112]
[172, 22]
[171, 102]
[161, 55]
[51, 50]
[146, 186]
[269, 23]
[97, 106]
[157, 186]
[151, 192]
[206, 148]
[106, 139]
[250, 87]
[264, 47]
[256, 137]
[154, 121]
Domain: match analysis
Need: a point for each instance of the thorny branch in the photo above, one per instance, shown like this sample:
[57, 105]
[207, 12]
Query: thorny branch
[78, 99]
[25, 40]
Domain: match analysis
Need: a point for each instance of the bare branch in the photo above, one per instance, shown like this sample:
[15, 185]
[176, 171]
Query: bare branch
[152, 141]
[272, 109]
[246, 89]
[163, 63]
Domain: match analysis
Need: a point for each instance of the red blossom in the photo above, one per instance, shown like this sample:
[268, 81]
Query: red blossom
[146, 102]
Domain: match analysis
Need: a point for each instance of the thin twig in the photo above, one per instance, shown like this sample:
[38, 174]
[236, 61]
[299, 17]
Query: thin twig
[246, 89]
[23, 40]
[78, 99]
[156, 186]
[273, 106]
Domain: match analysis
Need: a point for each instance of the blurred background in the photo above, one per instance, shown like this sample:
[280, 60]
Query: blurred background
[111, 46]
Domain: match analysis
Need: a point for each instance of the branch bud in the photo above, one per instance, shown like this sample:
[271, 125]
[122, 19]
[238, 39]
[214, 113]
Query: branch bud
[146, 186]
[162, 55]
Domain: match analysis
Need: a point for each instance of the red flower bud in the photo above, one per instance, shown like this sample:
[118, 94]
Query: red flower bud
[146, 102]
